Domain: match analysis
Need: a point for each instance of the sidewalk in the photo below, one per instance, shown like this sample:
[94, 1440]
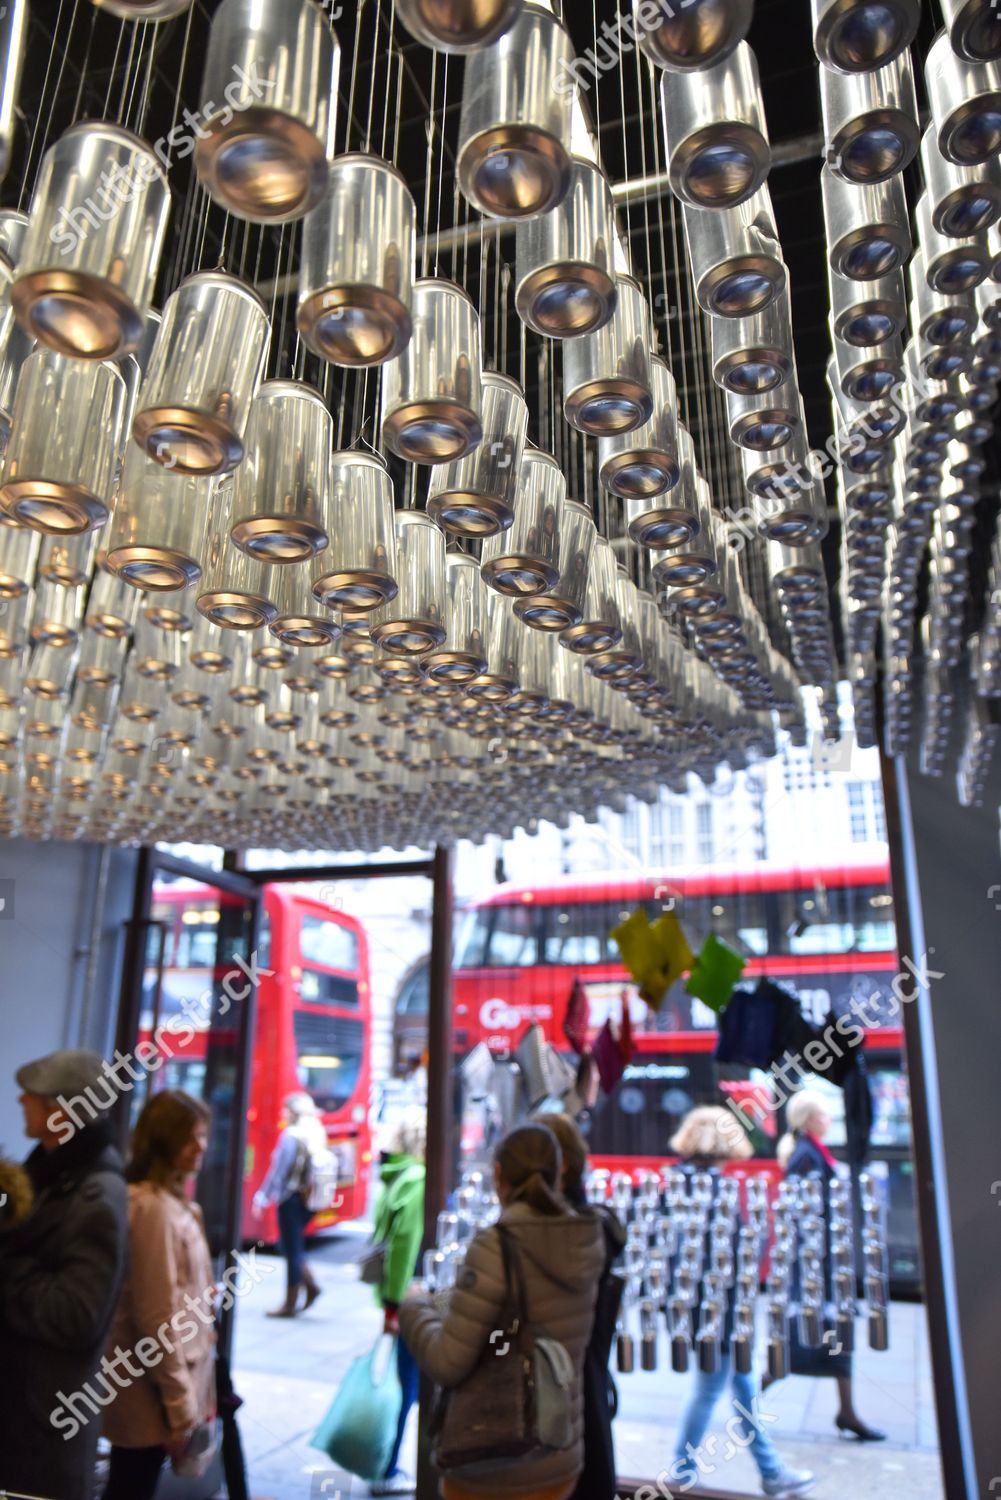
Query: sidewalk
[287, 1372]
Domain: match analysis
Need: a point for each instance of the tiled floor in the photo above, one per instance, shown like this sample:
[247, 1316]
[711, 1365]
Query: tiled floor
[288, 1372]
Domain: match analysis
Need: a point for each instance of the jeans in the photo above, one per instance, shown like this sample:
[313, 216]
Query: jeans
[293, 1216]
[134, 1473]
[698, 1415]
[406, 1369]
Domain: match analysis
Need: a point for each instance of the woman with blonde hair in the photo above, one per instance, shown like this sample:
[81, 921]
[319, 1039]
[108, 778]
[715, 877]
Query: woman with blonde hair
[561, 1255]
[169, 1285]
[802, 1152]
[303, 1141]
[708, 1137]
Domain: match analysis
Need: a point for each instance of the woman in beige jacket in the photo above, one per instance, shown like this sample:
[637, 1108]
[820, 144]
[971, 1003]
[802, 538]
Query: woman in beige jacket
[563, 1256]
[163, 1335]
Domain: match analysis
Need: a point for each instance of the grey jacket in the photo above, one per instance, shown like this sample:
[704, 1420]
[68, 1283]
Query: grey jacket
[563, 1260]
[60, 1270]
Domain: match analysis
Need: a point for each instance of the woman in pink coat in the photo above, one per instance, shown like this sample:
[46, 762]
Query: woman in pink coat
[163, 1335]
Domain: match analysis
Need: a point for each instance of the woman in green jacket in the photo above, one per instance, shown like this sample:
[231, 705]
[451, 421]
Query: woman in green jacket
[399, 1225]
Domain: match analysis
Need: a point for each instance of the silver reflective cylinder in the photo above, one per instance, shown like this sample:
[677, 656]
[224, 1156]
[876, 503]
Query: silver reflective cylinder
[432, 393]
[563, 605]
[414, 623]
[764, 422]
[673, 522]
[457, 25]
[514, 127]
[298, 620]
[797, 521]
[868, 231]
[144, 10]
[95, 235]
[475, 495]
[735, 256]
[714, 126]
[865, 313]
[871, 129]
[644, 462]
[564, 275]
[606, 374]
[270, 92]
[964, 200]
[693, 36]
[869, 374]
[965, 101]
[754, 354]
[361, 560]
[159, 525]
[13, 37]
[599, 630]
[232, 593]
[526, 558]
[974, 29]
[280, 489]
[951, 265]
[856, 36]
[356, 276]
[19, 549]
[463, 656]
[59, 468]
[204, 372]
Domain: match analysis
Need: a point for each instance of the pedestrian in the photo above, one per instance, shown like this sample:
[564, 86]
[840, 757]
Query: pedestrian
[705, 1141]
[597, 1480]
[399, 1227]
[802, 1152]
[61, 1264]
[168, 1298]
[303, 1140]
[562, 1257]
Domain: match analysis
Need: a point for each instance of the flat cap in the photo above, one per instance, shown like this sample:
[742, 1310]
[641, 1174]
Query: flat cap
[71, 1071]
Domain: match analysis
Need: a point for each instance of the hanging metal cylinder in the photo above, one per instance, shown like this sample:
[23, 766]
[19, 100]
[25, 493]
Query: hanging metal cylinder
[599, 630]
[59, 468]
[974, 29]
[356, 277]
[144, 10]
[362, 558]
[951, 265]
[563, 606]
[674, 522]
[644, 462]
[564, 274]
[965, 101]
[413, 623]
[463, 657]
[159, 525]
[735, 256]
[299, 620]
[69, 558]
[526, 558]
[531, 671]
[231, 593]
[691, 574]
[13, 38]
[764, 422]
[280, 489]
[499, 681]
[868, 231]
[714, 126]
[95, 236]
[606, 374]
[797, 521]
[514, 126]
[865, 313]
[457, 25]
[475, 495]
[856, 36]
[936, 317]
[432, 393]
[795, 572]
[19, 549]
[755, 354]
[871, 128]
[204, 372]
[264, 149]
[869, 374]
[692, 37]
[963, 200]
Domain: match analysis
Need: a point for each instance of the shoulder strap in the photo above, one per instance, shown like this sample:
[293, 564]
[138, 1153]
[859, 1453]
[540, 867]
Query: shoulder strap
[514, 1280]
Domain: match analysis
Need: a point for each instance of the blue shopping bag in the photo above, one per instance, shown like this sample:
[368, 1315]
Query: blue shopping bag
[359, 1430]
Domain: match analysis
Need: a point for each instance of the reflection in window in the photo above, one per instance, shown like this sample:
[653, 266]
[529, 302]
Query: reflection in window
[325, 942]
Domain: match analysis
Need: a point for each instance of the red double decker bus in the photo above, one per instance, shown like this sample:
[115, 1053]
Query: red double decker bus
[312, 1031]
[826, 933]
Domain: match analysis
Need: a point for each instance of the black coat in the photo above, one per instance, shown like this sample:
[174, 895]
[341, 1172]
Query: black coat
[597, 1479]
[60, 1271]
[807, 1157]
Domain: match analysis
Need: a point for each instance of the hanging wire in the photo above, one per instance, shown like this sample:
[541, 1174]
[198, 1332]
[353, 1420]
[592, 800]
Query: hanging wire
[46, 113]
[441, 165]
[375, 70]
[429, 131]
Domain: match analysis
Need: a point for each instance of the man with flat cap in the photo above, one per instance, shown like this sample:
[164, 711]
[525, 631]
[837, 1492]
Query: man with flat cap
[60, 1270]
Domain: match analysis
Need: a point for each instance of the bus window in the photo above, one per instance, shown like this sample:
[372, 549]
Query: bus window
[322, 941]
[329, 1052]
[320, 988]
[264, 939]
[513, 941]
[471, 941]
[579, 934]
[840, 919]
[413, 996]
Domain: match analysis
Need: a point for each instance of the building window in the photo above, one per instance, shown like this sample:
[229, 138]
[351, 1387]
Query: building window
[704, 831]
[857, 813]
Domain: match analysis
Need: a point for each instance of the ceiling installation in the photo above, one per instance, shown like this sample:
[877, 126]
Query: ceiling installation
[424, 416]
